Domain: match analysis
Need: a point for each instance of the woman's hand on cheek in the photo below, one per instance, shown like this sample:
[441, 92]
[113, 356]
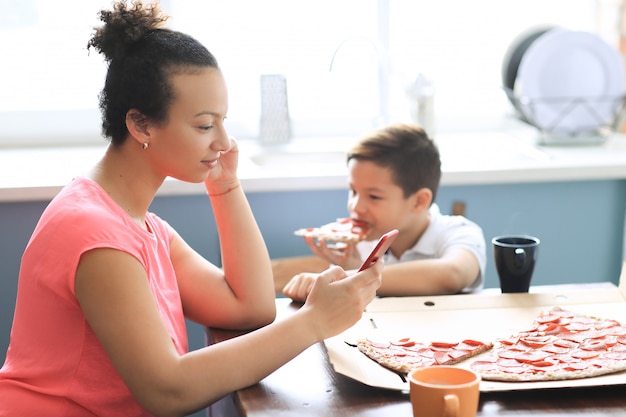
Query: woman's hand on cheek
[224, 175]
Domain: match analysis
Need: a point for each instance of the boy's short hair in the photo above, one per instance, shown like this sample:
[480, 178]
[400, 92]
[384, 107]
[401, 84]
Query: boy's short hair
[407, 151]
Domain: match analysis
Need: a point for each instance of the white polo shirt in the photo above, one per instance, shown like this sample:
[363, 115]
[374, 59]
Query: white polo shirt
[443, 232]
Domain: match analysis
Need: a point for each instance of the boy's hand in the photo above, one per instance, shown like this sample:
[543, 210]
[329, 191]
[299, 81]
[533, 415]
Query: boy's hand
[346, 256]
[299, 287]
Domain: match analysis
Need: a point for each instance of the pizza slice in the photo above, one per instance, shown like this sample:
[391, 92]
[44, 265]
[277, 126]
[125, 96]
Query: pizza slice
[560, 345]
[341, 230]
[405, 354]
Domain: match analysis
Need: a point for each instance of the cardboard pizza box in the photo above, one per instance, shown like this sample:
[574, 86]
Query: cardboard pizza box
[486, 317]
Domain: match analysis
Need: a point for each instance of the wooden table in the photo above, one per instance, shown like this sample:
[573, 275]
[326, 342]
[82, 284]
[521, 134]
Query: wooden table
[309, 386]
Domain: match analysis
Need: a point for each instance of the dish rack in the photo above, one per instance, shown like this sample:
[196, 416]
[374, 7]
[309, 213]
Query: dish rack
[553, 132]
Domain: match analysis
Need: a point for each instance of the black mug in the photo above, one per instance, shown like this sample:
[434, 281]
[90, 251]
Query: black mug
[515, 257]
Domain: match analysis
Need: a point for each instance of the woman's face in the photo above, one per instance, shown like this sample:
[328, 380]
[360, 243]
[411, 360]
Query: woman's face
[189, 143]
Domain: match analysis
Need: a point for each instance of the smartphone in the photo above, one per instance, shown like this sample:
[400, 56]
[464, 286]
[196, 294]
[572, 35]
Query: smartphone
[379, 250]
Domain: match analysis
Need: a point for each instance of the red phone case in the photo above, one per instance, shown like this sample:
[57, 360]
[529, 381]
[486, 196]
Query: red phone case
[379, 250]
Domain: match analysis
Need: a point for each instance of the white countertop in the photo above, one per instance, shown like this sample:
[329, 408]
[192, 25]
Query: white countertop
[492, 157]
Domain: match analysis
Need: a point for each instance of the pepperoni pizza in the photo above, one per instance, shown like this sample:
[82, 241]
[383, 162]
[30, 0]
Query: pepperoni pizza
[342, 230]
[560, 345]
[405, 354]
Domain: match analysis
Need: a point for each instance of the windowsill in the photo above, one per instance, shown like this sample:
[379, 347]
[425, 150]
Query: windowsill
[468, 159]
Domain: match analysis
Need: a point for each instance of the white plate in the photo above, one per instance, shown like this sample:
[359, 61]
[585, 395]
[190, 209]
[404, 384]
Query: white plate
[570, 82]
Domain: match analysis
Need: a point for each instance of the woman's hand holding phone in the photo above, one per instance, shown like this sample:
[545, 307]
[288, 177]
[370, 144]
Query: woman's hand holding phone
[379, 250]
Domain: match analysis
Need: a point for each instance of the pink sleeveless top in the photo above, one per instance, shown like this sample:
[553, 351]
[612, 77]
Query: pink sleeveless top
[55, 365]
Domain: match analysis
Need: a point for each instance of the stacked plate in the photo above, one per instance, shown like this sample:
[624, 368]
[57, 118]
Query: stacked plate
[568, 84]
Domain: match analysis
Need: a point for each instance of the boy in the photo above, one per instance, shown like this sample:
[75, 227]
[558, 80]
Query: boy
[394, 175]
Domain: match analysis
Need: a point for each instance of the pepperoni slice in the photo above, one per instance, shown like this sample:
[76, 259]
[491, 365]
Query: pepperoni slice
[515, 370]
[605, 324]
[417, 347]
[549, 361]
[426, 353]
[549, 328]
[585, 354]
[396, 353]
[578, 327]
[516, 346]
[468, 347]
[379, 344]
[594, 334]
[440, 348]
[411, 360]
[616, 331]
[617, 355]
[472, 342]
[562, 313]
[532, 356]
[602, 362]
[551, 348]
[583, 319]
[619, 348]
[535, 341]
[457, 353]
[405, 342]
[428, 362]
[484, 366]
[548, 318]
[565, 343]
[507, 363]
[610, 340]
[594, 345]
[576, 366]
[443, 344]
[508, 354]
[545, 365]
[566, 358]
[573, 337]
[509, 341]
[441, 357]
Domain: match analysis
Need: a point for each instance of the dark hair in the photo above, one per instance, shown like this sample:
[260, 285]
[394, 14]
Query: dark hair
[141, 57]
[407, 151]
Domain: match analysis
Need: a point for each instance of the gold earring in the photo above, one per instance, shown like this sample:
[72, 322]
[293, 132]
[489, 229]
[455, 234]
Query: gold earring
[145, 145]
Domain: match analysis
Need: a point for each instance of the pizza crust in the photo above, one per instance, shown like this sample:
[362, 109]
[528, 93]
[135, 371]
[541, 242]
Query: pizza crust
[550, 375]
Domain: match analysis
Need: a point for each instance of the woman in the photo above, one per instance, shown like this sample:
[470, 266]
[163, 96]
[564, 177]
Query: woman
[105, 284]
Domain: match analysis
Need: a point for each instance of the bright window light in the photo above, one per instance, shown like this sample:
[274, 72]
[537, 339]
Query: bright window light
[49, 83]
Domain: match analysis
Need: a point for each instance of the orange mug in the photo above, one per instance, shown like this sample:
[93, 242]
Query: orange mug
[444, 391]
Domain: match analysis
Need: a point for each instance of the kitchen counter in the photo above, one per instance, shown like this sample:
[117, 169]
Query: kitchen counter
[480, 158]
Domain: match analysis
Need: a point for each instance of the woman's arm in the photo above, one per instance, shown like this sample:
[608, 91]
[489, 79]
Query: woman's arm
[244, 287]
[113, 291]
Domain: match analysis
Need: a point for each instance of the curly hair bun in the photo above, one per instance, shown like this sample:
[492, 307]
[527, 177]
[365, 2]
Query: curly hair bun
[124, 26]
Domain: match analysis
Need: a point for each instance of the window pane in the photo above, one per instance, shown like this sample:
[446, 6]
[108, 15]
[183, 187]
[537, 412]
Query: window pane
[298, 40]
[47, 74]
[461, 46]
[49, 83]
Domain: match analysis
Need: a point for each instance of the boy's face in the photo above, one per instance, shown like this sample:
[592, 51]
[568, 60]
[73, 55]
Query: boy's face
[376, 199]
